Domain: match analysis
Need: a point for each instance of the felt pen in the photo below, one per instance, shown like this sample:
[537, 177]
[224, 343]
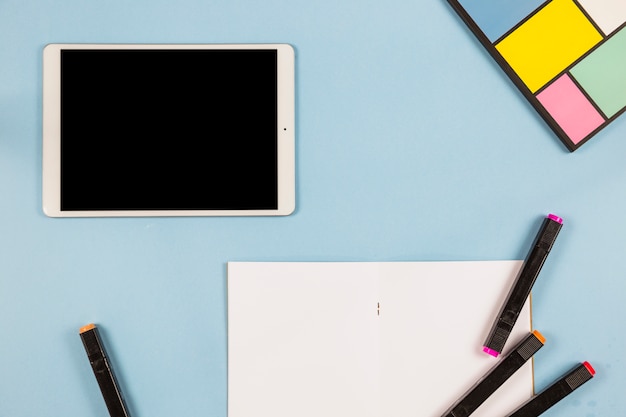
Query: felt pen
[523, 284]
[493, 379]
[555, 392]
[102, 370]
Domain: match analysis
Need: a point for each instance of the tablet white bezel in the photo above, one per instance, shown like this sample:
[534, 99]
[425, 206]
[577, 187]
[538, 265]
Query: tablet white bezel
[51, 184]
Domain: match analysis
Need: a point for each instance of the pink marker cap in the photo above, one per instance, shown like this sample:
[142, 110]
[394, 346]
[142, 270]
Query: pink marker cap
[555, 218]
[490, 351]
[589, 368]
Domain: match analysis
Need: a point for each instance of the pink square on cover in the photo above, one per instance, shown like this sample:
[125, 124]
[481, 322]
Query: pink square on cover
[570, 108]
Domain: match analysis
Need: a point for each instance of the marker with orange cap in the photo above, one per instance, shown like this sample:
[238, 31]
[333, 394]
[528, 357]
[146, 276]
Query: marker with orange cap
[102, 370]
[555, 392]
[489, 383]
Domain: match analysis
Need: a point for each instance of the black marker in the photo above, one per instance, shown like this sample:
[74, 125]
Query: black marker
[489, 383]
[103, 371]
[555, 392]
[523, 284]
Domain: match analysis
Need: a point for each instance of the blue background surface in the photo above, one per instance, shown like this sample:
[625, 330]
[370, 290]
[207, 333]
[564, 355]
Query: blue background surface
[411, 145]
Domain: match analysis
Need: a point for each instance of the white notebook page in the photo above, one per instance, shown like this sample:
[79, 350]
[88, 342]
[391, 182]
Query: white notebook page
[366, 339]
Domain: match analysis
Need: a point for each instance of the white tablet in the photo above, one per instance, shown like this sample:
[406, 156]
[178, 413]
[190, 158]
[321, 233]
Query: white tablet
[168, 130]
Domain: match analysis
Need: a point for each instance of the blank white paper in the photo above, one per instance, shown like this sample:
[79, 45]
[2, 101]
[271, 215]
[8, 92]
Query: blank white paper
[366, 339]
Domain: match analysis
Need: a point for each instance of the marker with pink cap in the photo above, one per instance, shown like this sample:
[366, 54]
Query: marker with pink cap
[523, 284]
[555, 392]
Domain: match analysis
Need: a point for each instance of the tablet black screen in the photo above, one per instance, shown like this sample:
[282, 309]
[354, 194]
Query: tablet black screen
[168, 129]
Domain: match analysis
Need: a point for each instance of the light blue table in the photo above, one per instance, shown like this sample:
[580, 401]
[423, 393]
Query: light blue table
[411, 145]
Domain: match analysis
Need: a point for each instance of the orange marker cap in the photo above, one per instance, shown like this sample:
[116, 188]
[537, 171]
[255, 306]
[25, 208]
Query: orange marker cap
[87, 328]
[539, 336]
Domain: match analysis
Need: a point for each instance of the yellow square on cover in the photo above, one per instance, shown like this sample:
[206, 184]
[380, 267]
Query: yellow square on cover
[548, 42]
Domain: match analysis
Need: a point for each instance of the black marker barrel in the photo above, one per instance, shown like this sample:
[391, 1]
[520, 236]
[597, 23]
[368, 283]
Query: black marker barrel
[102, 370]
[523, 284]
[491, 381]
[555, 392]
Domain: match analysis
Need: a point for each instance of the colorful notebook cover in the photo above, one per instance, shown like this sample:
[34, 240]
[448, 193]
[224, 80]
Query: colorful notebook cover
[567, 57]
